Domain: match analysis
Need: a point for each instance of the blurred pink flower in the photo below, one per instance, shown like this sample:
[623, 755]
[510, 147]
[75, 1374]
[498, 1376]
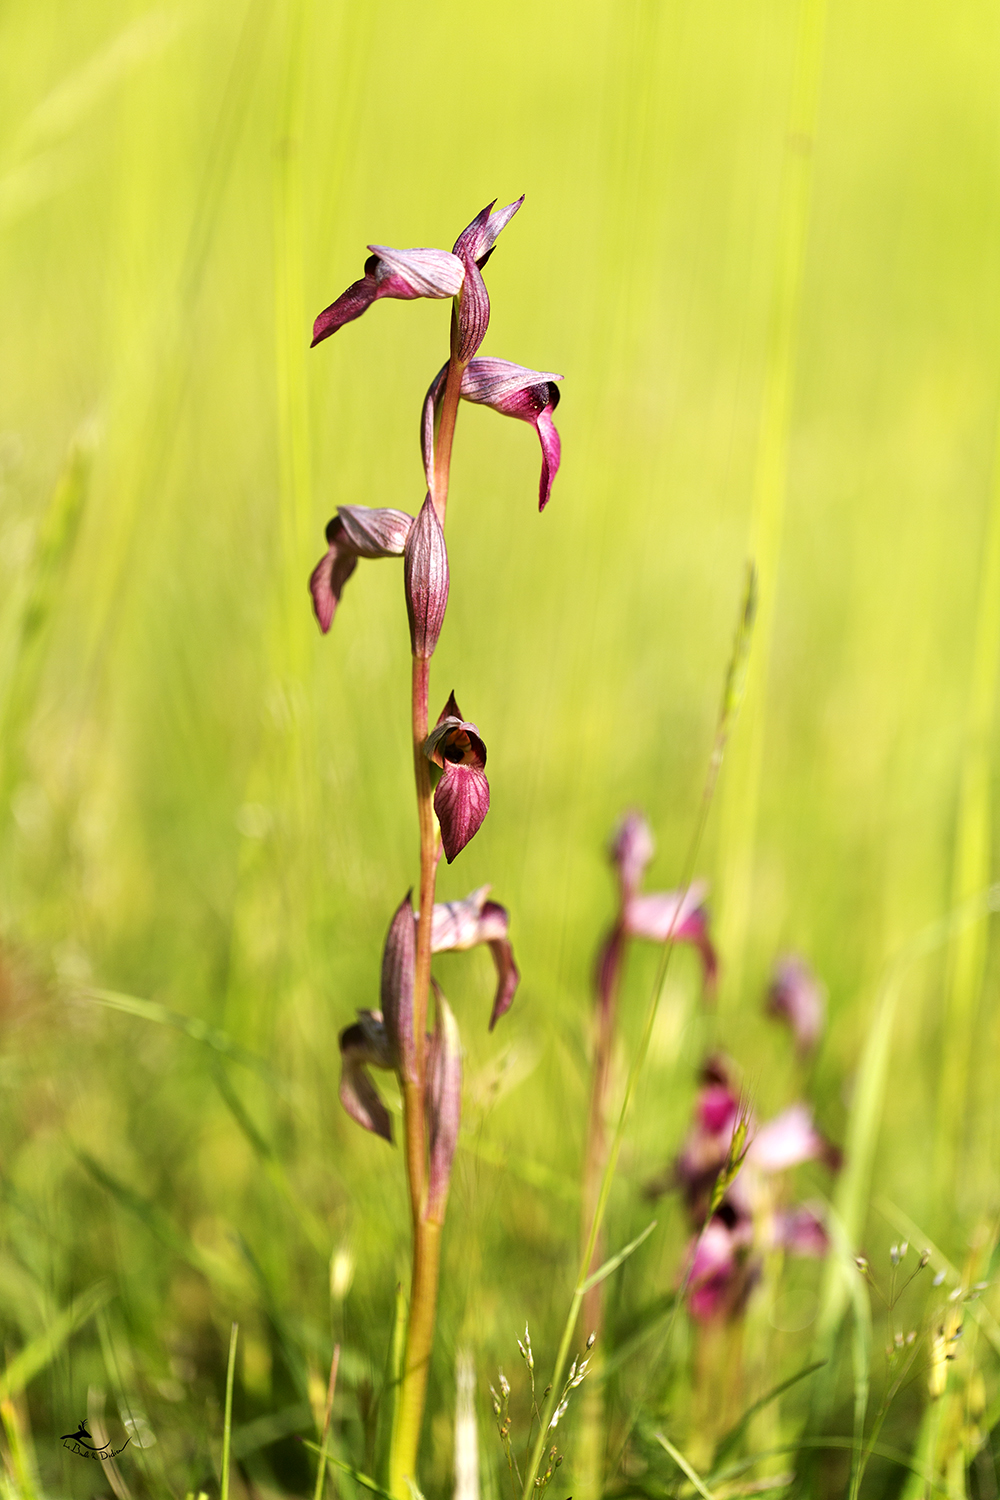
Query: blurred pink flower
[797, 997]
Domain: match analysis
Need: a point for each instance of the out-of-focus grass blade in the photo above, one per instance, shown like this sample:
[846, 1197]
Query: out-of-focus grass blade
[878, 1450]
[356, 1475]
[735, 687]
[227, 1426]
[611, 1265]
[53, 551]
[730, 1439]
[253, 1436]
[36, 1355]
[536, 1174]
[851, 1198]
[683, 1464]
[331, 1391]
[191, 1026]
[309, 1223]
[162, 1226]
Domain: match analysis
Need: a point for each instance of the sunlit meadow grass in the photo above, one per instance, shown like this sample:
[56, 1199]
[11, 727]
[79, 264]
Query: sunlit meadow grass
[206, 807]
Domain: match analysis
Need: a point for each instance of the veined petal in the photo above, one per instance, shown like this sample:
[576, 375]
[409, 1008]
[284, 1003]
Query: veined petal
[392, 273]
[425, 573]
[375, 533]
[492, 382]
[461, 802]
[355, 531]
[429, 421]
[530, 395]
[462, 795]
[473, 312]
[428, 273]
[478, 239]
[443, 1104]
[398, 964]
[365, 1045]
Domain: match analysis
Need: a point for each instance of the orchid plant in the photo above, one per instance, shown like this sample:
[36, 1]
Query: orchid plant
[449, 759]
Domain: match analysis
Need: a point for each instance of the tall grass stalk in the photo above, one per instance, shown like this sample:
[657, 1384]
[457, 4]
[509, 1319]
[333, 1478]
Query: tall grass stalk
[227, 1427]
[741, 797]
[973, 858]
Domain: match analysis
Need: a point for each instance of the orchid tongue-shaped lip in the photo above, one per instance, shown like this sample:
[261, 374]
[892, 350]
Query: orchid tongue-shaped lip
[462, 795]
[392, 273]
[355, 531]
[515, 391]
[365, 1045]
[458, 925]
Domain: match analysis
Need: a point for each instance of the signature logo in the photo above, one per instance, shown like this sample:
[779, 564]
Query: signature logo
[82, 1444]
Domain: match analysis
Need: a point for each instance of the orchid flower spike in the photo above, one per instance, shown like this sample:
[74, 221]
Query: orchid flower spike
[514, 391]
[462, 795]
[459, 925]
[355, 531]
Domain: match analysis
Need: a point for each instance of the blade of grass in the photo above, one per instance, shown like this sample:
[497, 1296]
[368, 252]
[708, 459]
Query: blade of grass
[193, 1027]
[328, 1413]
[865, 1117]
[741, 797]
[356, 1475]
[683, 1464]
[834, 1444]
[35, 1356]
[227, 1427]
[603, 1272]
[730, 1439]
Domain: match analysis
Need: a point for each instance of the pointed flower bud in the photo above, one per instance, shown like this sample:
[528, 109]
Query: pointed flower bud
[631, 849]
[515, 391]
[462, 795]
[459, 925]
[398, 964]
[392, 273]
[474, 247]
[426, 578]
[362, 1046]
[443, 1105]
[355, 531]
[797, 997]
[676, 916]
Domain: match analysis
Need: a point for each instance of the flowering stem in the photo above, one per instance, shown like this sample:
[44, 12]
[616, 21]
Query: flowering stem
[409, 1410]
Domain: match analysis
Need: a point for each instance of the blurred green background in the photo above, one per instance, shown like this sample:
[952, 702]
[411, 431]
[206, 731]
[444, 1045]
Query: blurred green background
[763, 252]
